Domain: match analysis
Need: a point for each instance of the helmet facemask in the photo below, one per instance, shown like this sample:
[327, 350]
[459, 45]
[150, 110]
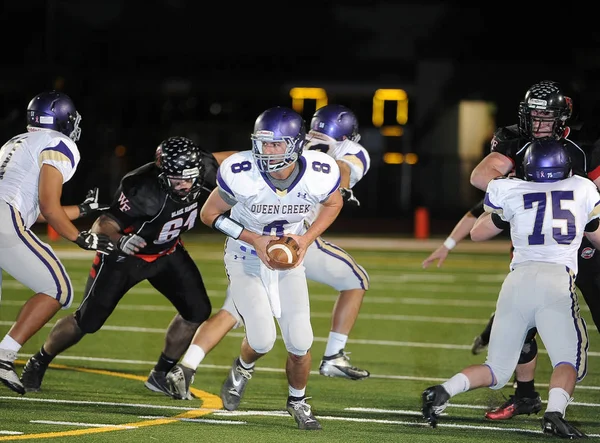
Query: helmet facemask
[180, 163]
[278, 125]
[544, 98]
[274, 162]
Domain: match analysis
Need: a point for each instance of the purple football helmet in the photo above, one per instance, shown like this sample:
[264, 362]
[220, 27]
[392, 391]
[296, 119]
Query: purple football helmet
[179, 158]
[275, 125]
[546, 161]
[54, 110]
[336, 121]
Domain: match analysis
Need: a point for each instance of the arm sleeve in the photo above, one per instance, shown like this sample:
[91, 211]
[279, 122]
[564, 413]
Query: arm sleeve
[477, 210]
[499, 223]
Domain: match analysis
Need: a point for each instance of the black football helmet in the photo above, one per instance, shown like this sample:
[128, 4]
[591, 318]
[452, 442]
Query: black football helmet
[545, 96]
[54, 110]
[546, 161]
[179, 158]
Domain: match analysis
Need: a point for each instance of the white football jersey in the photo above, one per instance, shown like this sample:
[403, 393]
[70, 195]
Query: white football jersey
[347, 151]
[21, 159]
[547, 220]
[352, 153]
[265, 210]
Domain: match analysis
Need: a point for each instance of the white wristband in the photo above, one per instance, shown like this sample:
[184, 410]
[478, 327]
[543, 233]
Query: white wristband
[449, 243]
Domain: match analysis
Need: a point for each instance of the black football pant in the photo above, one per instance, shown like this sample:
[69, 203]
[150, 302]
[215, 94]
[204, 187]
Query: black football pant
[175, 276]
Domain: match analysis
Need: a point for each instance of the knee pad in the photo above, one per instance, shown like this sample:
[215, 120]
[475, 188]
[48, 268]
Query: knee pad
[263, 341]
[298, 341]
[529, 351]
[297, 352]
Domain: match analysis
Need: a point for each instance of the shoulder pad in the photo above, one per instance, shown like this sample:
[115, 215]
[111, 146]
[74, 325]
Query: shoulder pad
[507, 133]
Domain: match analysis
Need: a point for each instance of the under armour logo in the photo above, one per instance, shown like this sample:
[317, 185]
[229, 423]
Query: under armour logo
[302, 195]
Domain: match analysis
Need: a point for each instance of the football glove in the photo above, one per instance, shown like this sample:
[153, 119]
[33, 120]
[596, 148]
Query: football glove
[131, 244]
[90, 204]
[349, 197]
[95, 242]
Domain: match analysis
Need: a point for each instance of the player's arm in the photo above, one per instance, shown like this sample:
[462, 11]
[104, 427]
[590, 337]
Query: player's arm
[329, 212]
[344, 174]
[487, 226]
[592, 233]
[492, 166]
[460, 231]
[49, 193]
[89, 206]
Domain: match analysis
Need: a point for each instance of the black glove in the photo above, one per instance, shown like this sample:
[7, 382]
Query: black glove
[95, 242]
[90, 204]
[349, 197]
[131, 244]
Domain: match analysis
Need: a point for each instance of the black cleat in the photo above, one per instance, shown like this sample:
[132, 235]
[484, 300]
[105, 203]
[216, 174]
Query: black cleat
[435, 399]
[33, 375]
[479, 345]
[516, 406]
[553, 423]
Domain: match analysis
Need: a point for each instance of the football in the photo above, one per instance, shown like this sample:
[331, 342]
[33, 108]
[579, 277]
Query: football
[283, 253]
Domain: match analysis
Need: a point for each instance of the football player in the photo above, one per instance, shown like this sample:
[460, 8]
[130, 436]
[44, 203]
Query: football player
[539, 292]
[33, 168]
[270, 191]
[543, 115]
[153, 206]
[334, 131]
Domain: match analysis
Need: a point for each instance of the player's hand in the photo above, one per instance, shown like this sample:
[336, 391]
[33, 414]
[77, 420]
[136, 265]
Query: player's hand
[349, 197]
[95, 242]
[90, 204]
[131, 244]
[439, 254]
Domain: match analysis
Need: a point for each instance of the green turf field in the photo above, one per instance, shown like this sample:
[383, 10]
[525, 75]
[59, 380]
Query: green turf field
[415, 330]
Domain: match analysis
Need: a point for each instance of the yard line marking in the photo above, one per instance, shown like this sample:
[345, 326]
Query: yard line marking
[87, 425]
[214, 422]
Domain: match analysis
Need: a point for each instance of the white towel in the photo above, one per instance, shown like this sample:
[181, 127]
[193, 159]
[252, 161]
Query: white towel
[270, 280]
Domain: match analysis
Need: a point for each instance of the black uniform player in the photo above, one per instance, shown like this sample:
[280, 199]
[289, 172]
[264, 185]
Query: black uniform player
[153, 206]
[542, 114]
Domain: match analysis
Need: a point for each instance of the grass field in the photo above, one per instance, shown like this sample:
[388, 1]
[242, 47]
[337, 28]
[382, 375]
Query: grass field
[415, 330]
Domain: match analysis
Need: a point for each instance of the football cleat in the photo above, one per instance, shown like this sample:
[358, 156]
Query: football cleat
[179, 380]
[478, 346]
[553, 423]
[435, 399]
[234, 386]
[33, 374]
[302, 413]
[338, 365]
[157, 382]
[8, 376]
[516, 406]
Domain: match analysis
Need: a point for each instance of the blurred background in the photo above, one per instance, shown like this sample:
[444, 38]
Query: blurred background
[429, 82]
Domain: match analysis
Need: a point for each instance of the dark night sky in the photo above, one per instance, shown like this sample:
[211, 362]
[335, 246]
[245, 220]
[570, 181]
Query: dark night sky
[137, 69]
